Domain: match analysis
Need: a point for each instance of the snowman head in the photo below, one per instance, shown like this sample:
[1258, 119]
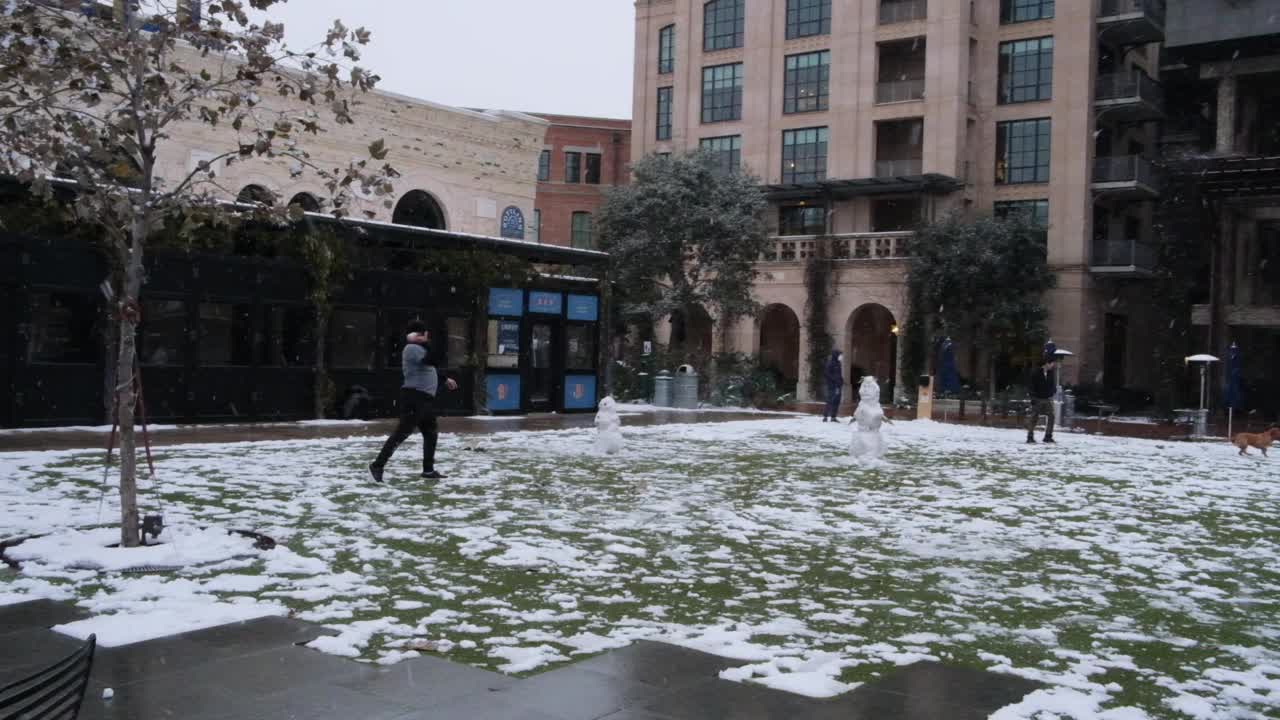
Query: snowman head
[869, 389]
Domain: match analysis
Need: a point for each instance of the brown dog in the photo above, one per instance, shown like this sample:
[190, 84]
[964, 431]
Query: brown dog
[1261, 440]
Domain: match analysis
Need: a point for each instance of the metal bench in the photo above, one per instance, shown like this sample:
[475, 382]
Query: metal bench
[54, 693]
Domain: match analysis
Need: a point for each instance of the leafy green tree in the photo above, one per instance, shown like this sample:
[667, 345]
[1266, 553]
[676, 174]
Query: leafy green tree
[95, 94]
[982, 282]
[684, 234]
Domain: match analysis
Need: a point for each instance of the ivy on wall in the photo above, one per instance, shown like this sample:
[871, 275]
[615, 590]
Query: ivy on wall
[819, 288]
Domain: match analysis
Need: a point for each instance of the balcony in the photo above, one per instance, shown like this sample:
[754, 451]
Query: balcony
[845, 247]
[1131, 22]
[900, 11]
[1125, 176]
[1120, 257]
[895, 91]
[906, 167]
[1129, 97]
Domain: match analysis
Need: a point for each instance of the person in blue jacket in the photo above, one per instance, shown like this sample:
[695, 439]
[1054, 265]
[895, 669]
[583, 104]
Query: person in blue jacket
[835, 385]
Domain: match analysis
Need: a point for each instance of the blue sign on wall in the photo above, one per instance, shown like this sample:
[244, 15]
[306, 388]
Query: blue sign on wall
[548, 303]
[513, 223]
[503, 392]
[505, 301]
[584, 307]
[579, 392]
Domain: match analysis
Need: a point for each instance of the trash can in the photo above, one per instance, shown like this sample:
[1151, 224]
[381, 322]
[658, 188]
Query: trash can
[662, 389]
[1068, 409]
[686, 387]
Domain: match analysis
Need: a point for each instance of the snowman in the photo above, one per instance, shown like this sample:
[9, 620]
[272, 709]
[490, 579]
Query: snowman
[608, 428]
[866, 441]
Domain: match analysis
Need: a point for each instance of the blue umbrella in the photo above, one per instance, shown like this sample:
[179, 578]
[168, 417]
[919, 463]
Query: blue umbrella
[950, 377]
[1233, 395]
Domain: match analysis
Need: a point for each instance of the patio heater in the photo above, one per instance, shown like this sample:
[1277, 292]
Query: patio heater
[1201, 425]
[1063, 402]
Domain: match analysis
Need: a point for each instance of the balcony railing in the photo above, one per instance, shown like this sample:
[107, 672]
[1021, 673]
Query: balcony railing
[1151, 9]
[892, 91]
[1124, 169]
[850, 246]
[1122, 253]
[898, 168]
[1135, 85]
[899, 11]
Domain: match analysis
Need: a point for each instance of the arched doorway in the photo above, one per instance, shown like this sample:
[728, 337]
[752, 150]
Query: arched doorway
[872, 336]
[692, 333]
[306, 201]
[780, 344]
[420, 209]
[256, 195]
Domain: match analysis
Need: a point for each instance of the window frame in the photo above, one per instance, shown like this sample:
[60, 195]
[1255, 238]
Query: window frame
[1007, 90]
[1010, 10]
[733, 152]
[576, 233]
[791, 150]
[1005, 208]
[544, 166]
[1043, 145]
[662, 131]
[590, 159]
[792, 84]
[574, 177]
[713, 34]
[667, 50]
[794, 24]
[715, 87]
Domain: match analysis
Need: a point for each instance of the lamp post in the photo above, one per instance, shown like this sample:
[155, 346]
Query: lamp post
[1202, 414]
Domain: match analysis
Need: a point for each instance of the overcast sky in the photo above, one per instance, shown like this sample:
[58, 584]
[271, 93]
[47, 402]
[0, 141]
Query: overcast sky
[555, 56]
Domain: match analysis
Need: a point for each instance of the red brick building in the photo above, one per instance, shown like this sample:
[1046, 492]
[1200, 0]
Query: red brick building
[581, 158]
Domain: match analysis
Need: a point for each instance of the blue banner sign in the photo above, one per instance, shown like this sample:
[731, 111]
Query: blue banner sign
[547, 303]
[584, 307]
[503, 392]
[506, 301]
[513, 223]
[579, 392]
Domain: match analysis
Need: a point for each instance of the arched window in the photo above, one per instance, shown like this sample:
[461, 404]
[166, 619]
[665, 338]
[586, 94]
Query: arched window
[419, 209]
[256, 195]
[306, 201]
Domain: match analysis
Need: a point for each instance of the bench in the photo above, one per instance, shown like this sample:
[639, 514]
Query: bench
[54, 693]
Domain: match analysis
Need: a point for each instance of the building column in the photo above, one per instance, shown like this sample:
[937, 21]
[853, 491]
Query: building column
[802, 381]
[1226, 144]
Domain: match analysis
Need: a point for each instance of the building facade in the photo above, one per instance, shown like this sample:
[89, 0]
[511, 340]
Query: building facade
[581, 158]
[863, 119]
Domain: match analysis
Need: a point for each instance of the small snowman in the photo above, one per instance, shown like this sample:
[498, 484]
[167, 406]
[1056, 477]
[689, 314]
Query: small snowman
[608, 428]
[866, 442]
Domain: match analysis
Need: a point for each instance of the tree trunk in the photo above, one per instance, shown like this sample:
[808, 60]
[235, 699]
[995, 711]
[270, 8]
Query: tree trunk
[125, 382]
[321, 386]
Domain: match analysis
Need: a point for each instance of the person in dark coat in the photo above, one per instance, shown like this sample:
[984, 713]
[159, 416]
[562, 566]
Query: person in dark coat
[835, 385]
[417, 402]
[1043, 388]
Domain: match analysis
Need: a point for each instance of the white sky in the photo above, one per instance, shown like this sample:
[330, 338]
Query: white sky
[556, 56]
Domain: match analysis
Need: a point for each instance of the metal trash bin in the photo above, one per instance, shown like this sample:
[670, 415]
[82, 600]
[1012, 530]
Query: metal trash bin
[662, 389]
[686, 387]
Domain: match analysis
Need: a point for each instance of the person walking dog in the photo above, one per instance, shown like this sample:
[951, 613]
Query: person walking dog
[417, 403]
[835, 385]
[1043, 389]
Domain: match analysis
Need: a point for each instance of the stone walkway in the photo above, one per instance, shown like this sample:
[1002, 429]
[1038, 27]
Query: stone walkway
[258, 671]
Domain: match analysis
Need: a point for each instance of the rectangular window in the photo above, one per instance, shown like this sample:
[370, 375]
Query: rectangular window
[580, 347]
[504, 343]
[722, 24]
[535, 234]
[727, 152]
[582, 232]
[163, 332]
[593, 169]
[1016, 11]
[664, 113]
[290, 337]
[666, 49]
[1022, 151]
[722, 93]
[458, 342]
[804, 155]
[1026, 70]
[572, 167]
[806, 84]
[353, 339]
[802, 220]
[808, 17]
[544, 166]
[1036, 210]
[63, 328]
[896, 214]
[226, 334]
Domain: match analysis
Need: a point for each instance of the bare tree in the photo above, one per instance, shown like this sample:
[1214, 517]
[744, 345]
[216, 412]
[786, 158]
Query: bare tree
[92, 95]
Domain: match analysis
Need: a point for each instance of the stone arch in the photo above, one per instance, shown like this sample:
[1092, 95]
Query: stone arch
[419, 208]
[255, 194]
[871, 337]
[305, 200]
[780, 343]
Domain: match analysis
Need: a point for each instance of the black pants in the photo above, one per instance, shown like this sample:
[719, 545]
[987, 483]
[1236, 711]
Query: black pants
[834, 393]
[417, 411]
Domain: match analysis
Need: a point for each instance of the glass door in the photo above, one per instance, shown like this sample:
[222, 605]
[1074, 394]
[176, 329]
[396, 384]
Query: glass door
[542, 375]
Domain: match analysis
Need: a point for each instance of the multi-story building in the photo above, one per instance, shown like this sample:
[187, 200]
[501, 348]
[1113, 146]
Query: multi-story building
[864, 118]
[581, 158]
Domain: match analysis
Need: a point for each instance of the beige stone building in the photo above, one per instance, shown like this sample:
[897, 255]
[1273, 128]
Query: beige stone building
[864, 117]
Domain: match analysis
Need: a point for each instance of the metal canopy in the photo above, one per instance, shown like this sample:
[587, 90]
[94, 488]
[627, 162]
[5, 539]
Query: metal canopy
[1239, 176]
[839, 189]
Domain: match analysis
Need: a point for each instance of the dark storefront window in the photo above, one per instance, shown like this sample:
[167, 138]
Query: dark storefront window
[580, 350]
[289, 337]
[226, 334]
[164, 332]
[459, 329]
[802, 220]
[504, 343]
[63, 328]
[352, 339]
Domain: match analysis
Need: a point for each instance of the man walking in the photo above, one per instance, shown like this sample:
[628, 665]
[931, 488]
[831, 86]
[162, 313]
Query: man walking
[417, 403]
[1043, 389]
[835, 385]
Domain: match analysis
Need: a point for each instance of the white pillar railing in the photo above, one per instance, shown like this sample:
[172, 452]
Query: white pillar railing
[843, 247]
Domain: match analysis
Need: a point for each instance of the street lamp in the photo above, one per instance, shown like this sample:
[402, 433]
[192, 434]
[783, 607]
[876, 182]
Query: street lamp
[1202, 415]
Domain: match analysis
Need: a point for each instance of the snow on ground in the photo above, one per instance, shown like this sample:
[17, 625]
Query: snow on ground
[1139, 578]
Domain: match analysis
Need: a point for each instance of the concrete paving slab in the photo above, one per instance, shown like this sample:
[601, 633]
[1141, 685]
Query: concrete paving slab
[38, 614]
[26, 652]
[154, 660]
[658, 664]
[321, 701]
[725, 700]
[577, 694]
[426, 681]
[262, 633]
[931, 689]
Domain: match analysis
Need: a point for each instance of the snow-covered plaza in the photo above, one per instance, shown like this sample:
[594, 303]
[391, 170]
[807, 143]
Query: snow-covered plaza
[1140, 579]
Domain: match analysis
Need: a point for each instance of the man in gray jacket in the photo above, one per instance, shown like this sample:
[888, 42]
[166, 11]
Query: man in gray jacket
[417, 403]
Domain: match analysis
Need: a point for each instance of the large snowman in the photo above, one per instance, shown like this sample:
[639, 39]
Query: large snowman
[866, 442]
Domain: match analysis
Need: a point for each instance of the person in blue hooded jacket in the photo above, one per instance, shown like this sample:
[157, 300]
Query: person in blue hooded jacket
[835, 385]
